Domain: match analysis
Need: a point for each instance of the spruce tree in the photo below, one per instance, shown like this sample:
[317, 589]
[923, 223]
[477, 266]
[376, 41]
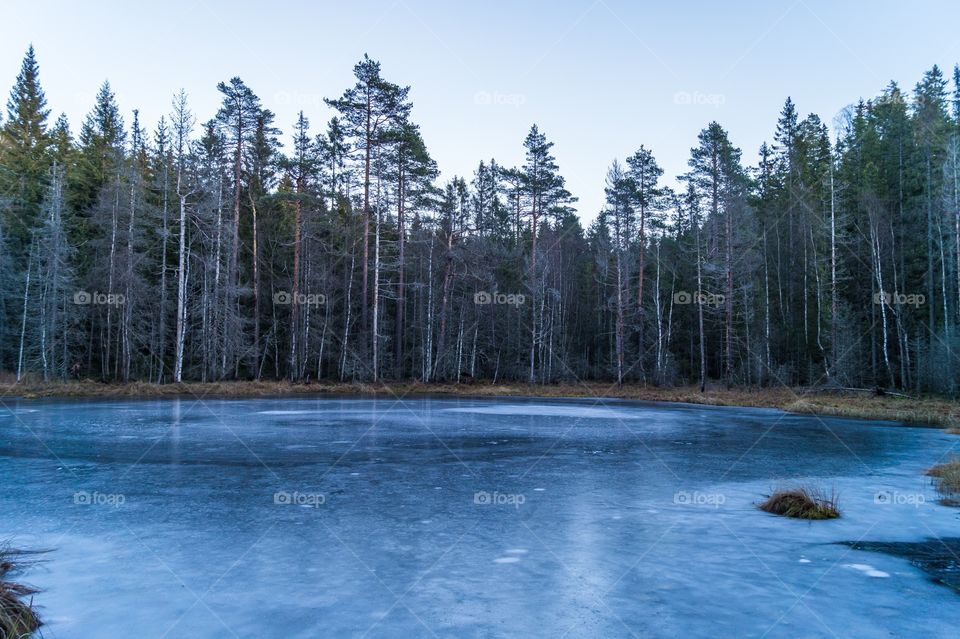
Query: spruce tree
[24, 152]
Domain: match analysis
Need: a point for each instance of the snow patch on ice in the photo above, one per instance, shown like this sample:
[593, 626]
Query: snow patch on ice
[860, 567]
[868, 570]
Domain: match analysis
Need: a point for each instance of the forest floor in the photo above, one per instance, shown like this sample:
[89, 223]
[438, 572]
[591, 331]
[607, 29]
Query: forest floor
[930, 411]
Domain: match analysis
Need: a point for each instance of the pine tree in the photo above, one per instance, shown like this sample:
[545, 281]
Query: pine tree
[302, 168]
[413, 172]
[718, 176]
[368, 108]
[619, 217]
[262, 174]
[543, 194]
[237, 120]
[644, 174]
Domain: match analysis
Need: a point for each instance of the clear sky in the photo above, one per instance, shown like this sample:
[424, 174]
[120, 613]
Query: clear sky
[600, 77]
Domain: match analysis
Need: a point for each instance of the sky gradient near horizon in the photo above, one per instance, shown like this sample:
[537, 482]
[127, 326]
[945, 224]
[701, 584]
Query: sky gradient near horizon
[600, 77]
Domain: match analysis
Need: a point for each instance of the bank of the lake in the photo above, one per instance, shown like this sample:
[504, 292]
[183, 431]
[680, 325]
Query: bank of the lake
[858, 404]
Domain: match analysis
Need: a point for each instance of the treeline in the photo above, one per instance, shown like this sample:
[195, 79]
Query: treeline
[192, 250]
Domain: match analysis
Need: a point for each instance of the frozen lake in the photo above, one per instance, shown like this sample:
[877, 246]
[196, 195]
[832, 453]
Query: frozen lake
[465, 518]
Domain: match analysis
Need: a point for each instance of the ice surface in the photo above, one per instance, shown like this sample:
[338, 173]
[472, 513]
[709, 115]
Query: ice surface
[464, 518]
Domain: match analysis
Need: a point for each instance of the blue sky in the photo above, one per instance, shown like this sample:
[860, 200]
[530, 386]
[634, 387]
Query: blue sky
[599, 77]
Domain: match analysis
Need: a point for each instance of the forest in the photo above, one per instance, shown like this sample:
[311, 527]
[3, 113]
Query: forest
[200, 248]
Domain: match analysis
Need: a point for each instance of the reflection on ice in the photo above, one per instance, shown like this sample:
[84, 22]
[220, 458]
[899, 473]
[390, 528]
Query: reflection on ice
[547, 410]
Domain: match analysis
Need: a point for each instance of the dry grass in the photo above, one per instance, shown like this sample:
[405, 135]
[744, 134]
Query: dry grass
[926, 411]
[802, 503]
[18, 618]
[946, 477]
[89, 388]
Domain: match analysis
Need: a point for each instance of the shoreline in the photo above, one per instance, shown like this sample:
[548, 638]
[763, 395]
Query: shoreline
[921, 411]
